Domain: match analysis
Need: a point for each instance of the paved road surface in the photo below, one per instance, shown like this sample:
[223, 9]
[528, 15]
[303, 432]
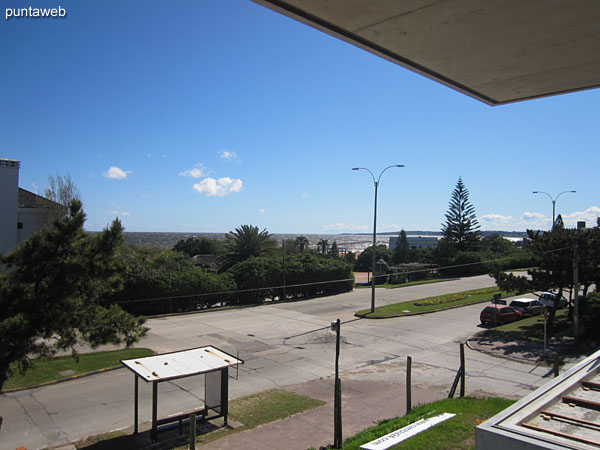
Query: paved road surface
[283, 345]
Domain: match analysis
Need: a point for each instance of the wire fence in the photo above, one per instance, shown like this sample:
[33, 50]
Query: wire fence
[280, 289]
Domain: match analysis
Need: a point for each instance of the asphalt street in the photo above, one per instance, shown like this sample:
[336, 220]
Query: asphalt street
[282, 345]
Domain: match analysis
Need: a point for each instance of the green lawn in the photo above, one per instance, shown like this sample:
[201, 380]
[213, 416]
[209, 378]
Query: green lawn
[455, 433]
[433, 303]
[409, 283]
[269, 406]
[48, 370]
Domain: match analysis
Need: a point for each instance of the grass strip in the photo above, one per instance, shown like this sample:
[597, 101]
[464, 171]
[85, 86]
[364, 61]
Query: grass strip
[259, 409]
[408, 283]
[456, 433]
[46, 370]
[433, 303]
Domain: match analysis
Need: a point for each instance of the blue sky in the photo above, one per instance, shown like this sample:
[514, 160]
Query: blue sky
[201, 116]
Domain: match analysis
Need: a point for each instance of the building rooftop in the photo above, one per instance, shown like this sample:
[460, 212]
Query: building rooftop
[564, 413]
[30, 200]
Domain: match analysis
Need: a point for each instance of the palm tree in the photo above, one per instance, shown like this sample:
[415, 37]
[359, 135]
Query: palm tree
[322, 246]
[301, 243]
[243, 243]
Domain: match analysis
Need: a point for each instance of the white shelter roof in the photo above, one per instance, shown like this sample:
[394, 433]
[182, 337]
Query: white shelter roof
[181, 364]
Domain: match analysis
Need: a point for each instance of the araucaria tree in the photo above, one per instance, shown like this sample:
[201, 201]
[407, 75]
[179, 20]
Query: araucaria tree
[54, 290]
[461, 228]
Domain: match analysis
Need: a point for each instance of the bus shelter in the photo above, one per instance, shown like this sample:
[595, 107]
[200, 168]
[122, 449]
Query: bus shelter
[209, 360]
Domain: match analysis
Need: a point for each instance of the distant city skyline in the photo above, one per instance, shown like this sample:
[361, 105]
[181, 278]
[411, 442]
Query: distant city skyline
[209, 115]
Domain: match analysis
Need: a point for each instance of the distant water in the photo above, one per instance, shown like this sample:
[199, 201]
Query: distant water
[162, 240]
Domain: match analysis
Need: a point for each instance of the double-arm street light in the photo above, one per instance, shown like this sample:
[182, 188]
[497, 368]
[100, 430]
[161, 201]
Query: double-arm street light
[376, 183]
[553, 202]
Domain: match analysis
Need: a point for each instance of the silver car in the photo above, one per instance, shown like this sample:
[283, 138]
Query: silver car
[548, 298]
[529, 307]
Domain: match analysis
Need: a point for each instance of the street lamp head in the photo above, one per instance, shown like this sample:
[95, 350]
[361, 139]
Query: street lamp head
[355, 168]
[400, 165]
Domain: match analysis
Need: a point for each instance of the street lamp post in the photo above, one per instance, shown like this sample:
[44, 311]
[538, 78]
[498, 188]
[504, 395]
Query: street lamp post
[376, 183]
[553, 202]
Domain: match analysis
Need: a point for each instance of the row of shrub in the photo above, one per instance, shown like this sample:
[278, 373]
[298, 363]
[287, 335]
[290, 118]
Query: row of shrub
[159, 282]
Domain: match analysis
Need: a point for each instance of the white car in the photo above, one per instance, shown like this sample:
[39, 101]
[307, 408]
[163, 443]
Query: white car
[548, 298]
[527, 306]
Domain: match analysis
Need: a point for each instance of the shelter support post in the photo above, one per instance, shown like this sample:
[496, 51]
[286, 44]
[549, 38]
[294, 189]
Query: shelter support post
[225, 394]
[135, 405]
[154, 432]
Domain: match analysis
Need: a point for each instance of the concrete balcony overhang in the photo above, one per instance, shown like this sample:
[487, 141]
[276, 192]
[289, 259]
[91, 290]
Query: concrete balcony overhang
[497, 52]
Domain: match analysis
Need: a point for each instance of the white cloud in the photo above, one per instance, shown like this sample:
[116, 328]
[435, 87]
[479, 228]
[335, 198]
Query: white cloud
[495, 218]
[305, 195]
[588, 216]
[218, 188]
[197, 172]
[532, 217]
[261, 210]
[388, 227]
[344, 227]
[230, 156]
[115, 173]
[117, 212]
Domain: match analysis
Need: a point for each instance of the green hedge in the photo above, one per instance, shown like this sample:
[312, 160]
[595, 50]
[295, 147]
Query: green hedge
[315, 272]
[160, 282]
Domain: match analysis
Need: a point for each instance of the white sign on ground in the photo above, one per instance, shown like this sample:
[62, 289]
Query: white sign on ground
[400, 435]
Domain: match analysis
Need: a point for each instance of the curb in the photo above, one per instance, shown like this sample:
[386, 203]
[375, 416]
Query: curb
[364, 316]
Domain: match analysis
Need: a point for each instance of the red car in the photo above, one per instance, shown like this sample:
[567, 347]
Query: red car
[499, 314]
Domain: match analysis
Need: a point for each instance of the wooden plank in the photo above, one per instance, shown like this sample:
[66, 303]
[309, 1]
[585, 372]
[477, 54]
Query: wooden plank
[591, 384]
[582, 402]
[572, 419]
[532, 426]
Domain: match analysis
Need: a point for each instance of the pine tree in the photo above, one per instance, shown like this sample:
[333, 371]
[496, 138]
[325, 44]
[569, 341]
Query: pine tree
[54, 293]
[461, 228]
[334, 251]
[401, 251]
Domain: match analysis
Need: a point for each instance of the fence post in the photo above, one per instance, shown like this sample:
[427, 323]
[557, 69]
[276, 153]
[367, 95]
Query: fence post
[192, 431]
[408, 384]
[462, 368]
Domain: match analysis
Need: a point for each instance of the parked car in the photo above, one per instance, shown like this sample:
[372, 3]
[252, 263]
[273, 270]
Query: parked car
[527, 306]
[547, 299]
[499, 315]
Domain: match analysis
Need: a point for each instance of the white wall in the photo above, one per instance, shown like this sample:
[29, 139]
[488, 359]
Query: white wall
[9, 198]
[32, 219]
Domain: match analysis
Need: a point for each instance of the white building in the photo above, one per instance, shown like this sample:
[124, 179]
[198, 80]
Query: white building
[415, 242]
[22, 212]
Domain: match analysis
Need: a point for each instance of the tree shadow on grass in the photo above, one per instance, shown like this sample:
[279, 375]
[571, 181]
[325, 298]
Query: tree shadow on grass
[527, 343]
